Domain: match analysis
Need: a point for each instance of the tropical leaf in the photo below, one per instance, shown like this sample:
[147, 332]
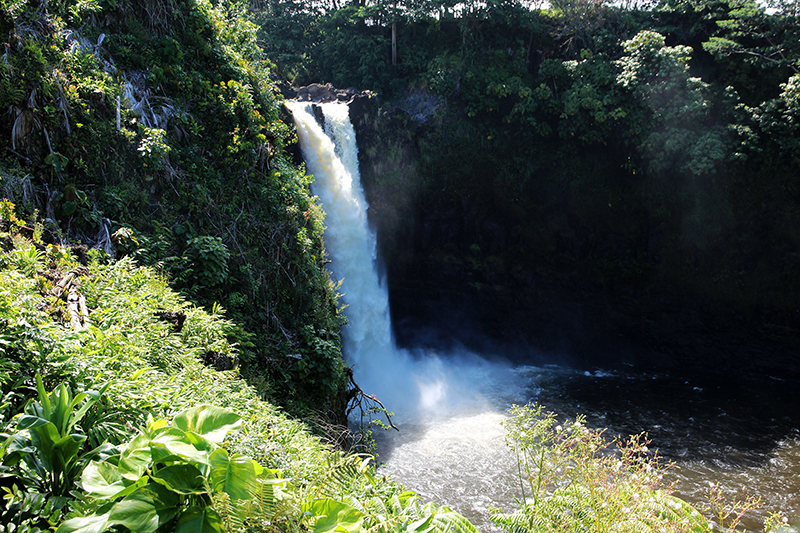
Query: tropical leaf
[199, 520]
[103, 480]
[332, 515]
[146, 509]
[213, 423]
[234, 475]
[181, 478]
[135, 457]
[85, 524]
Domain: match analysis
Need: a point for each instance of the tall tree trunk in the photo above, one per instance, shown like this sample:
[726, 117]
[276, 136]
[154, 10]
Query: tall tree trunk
[394, 43]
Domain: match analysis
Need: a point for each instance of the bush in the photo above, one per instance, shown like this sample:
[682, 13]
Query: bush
[573, 480]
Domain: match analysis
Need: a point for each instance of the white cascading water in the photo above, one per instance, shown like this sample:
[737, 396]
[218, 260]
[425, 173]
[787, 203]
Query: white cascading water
[450, 409]
[403, 383]
[447, 407]
[451, 445]
[332, 158]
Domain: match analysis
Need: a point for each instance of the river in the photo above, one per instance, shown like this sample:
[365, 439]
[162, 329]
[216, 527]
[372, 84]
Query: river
[742, 436]
[736, 434]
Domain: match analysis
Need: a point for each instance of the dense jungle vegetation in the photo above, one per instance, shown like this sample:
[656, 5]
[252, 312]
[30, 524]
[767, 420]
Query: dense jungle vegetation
[111, 421]
[154, 131]
[145, 151]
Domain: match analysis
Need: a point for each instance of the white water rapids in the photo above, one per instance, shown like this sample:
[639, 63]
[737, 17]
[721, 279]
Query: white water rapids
[450, 407]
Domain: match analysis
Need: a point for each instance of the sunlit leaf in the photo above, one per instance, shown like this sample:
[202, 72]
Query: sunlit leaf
[234, 475]
[213, 423]
[85, 524]
[102, 479]
[332, 515]
[147, 508]
[181, 478]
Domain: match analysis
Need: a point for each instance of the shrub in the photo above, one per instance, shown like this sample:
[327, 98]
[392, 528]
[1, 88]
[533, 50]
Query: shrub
[572, 480]
[210, 258]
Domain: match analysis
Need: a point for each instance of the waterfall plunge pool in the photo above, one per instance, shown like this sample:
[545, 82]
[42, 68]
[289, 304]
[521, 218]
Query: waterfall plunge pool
[739, 436]
[451, 449]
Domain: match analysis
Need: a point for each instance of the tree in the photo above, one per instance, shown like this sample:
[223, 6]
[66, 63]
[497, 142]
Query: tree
[771, 40]
[678, 130]
[577, 21]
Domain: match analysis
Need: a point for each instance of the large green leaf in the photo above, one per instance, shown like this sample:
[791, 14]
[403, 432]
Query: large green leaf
[334, 516]
[199, 520]
[103, 479]
[134, 464]
[182, 478]
[234, 475]
[85, 524]
[44, 438]
[209, 421]
[135, 458]
[66, 449]
[177, 442]
[200, 442]
[31, 421]
[43, 397]
[147, 508]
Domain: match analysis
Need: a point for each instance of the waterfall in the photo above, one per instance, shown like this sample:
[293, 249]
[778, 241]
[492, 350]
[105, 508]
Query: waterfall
[449, 406]
[456, 456]
[405, 384]
[331, 156]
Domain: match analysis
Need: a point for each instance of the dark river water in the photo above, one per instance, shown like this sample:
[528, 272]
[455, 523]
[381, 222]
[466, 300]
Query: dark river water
[736, 433]
[742, 435]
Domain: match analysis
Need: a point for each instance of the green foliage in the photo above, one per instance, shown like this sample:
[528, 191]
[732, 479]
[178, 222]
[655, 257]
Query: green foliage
[571, 482]
[286, 32]
[354, 52]
[153, 148]
[165, 474]
[751, 33]
[269, 474]
[45, 454]
[8, 213]
[210, 259]
[636, 136]
[678, 121]
[198, 168]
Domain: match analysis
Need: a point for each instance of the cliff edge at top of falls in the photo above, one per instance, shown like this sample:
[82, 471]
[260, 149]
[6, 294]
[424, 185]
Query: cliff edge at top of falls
[358, 101]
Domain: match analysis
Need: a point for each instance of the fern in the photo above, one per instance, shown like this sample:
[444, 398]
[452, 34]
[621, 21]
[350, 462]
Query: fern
[275, 507]
[403, 512]
[340, 474]
[520, 521]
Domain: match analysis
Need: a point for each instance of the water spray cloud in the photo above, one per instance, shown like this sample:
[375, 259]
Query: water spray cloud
[411, 385]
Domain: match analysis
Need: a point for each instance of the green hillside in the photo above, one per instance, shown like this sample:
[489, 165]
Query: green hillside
[111, 420]
[154, 131]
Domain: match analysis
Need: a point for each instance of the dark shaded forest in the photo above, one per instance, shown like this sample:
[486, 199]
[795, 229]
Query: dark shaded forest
[580, 177]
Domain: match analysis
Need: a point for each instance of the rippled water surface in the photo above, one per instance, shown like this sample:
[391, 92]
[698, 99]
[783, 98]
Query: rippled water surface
[739, 435]
[736, 433]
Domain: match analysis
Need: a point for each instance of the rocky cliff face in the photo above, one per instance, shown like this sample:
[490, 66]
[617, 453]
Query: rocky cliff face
[459, 274]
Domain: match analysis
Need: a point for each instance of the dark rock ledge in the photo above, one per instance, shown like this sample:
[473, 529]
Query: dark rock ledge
[358, 101]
